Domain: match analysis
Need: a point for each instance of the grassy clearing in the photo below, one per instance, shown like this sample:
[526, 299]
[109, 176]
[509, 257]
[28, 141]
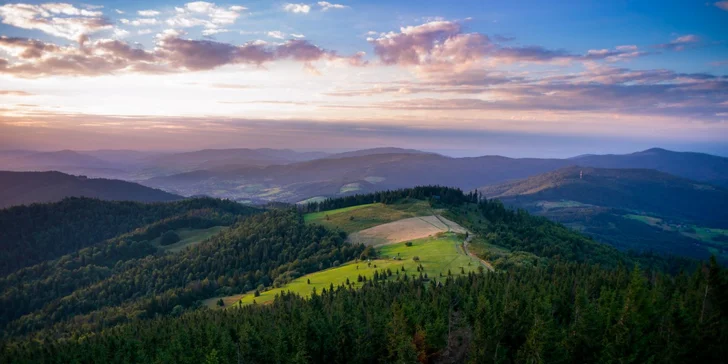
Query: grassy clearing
[707, 234]
[312, 200]
[228, 300]
[437, 255]
[550, 205]
[649, 220]
[704, 234]
[188, 237]
[350, 187]
[357, 218]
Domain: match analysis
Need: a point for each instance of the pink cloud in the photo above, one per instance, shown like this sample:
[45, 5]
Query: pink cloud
[681, 43]
[58, 19]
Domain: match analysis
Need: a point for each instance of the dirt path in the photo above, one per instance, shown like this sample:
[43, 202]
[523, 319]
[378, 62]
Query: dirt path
[468, 252]
[466, 242]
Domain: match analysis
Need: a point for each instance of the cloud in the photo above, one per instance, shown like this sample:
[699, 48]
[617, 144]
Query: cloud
[277, 34]
[171, 53]
[681, 43]
[422, 44]
[58, 19]
[139, 22]
[294, 35]
[597, 90]
[148, 13]
[722, 5]
[325, 6]
[213, 31]
[119, 11]
[120, 33]
[208, 15]
[26, 48]
[198, 55]
[297, 8]
[619, 53]
[441, 48]
[14, 93]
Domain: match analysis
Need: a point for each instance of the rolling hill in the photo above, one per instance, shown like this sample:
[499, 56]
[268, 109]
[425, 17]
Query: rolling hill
[22, 188]
[112, 288]
[392, 168]
[349, 175]
[211, 158]
[638, 209]
[696, 166]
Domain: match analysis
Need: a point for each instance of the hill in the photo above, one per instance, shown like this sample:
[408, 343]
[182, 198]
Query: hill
[212, 158]
[331, 177]
[614, 205]
[321, 298]
[696, 166]
[375, 151]
[40, 232]
[392, 168]
[22, 188]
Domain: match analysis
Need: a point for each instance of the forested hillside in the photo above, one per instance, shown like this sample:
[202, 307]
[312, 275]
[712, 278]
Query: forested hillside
[632, 209]
[264, 249]
[560, 313]
[556, 295]
[39, 232]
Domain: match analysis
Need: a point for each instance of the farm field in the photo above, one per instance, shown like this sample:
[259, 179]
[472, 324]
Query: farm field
[357, 218]
[437, 255]
[405, 230]
[188, 237]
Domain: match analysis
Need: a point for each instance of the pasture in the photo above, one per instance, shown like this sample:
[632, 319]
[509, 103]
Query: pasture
[404, 230]
[438, 256]
[357, 218]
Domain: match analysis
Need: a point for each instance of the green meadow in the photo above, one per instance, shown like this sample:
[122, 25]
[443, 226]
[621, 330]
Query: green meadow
[357, 218]
[438, 256]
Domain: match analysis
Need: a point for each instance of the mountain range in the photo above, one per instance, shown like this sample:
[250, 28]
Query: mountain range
[639, 209]
[367, 171]
[263, 175]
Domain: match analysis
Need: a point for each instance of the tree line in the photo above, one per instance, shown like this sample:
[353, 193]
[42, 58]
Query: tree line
[558, 313]
[439, 195]
[35, 233]
[264, 249]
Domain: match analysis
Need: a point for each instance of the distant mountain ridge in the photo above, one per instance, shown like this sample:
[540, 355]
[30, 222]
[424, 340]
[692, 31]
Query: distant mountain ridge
[263, 175]
[376, 151]
[391, 168]
[22, 188]
[629, 189]
[696, 166]
[638, 209]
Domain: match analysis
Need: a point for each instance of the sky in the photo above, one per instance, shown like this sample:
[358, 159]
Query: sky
[516, 78]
